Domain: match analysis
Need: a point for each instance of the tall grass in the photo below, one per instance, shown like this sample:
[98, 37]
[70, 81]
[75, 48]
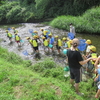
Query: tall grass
[89, 22]
[12, 57]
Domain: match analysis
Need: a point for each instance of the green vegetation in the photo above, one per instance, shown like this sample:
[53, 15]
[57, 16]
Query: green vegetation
[2, 2]
[20, 80]
[89, 22]
[12, 12]
[30, 10]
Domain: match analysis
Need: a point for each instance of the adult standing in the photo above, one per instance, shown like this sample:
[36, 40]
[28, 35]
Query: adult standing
[72, 29]
[75, 62]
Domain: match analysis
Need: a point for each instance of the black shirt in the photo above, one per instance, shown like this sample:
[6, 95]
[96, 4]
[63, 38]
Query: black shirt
[73, 59]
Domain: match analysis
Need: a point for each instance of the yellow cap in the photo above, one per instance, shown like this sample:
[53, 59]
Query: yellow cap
[93, 48]
[6, 30]
[56, 36]
[16, 33]
[34, 36]
[88, 41]
[35, 32]
[64, 39]
[45, 32]
[27, 38]
[37, 36]
[43, 37]
[50, 34]
[42, 29]
[70, 41]
[13, 27]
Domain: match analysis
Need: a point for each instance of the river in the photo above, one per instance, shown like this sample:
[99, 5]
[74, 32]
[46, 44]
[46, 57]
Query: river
[23, 31]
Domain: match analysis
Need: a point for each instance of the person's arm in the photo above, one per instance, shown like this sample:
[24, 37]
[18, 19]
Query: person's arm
[97, 61]
[95, 79]
[97, 94]
[84, 61]
[84, 57]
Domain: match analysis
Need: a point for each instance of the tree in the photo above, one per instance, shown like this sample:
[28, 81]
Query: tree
[2, 1]
[27, 2]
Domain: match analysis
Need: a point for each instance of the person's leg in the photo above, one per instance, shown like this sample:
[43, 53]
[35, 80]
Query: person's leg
[77, 87]
[71, 77]
[58, 49]
[10, 40]
[76, 74]
[52, 49]
[72, 82]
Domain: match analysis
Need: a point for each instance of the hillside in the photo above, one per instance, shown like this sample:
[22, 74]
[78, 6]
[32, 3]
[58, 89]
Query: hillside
[20, 80]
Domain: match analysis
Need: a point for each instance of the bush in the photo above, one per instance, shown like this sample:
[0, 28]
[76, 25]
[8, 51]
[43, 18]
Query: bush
[3, 75]
[28, 10]
[14, 12]
[20, 14]
[54, 72]
[4, 9]
[89, 22]
[27, 63]
[10, 56]
[41, 6]
[45, 65]
[92, 16]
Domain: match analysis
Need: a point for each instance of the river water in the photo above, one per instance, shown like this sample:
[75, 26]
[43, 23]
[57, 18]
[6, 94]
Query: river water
[23, 32]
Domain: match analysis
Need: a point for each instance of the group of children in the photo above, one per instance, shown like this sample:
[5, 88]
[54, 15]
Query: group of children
[93, 66]
[45, 38]
[15, 35]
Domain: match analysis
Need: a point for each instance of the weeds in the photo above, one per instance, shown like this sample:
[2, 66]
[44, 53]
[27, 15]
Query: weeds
[42, 81]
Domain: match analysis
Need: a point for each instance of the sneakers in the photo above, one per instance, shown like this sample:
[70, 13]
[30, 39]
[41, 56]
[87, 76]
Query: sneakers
[80, 94]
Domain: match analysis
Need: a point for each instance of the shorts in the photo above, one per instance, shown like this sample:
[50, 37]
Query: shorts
[10, 38]
[58, 47]
[75, 74]
[18, 41]
[45, 36]
[35, 48]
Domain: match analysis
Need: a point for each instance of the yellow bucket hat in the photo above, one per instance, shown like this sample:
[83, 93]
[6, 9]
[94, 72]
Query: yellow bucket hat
[93, 48]
[88, 41]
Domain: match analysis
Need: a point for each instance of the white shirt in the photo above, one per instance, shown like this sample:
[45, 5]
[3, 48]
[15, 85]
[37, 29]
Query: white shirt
[72, 29]
[99, 86]
[88, 48]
